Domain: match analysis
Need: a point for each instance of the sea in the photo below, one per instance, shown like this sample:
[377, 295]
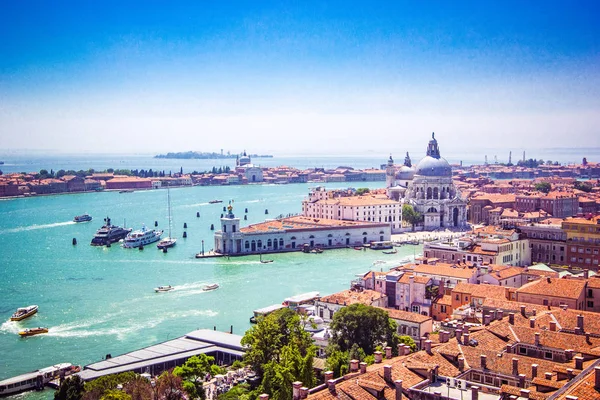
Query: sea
[98, 300]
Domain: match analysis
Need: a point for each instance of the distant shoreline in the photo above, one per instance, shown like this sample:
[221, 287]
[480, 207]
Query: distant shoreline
[194, 155]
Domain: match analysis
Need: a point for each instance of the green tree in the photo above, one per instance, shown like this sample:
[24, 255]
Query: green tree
[410, 215]
[364, 325]
[95, 389]
[337, 360]
[192, 372]
[115, 395]
[544, 187]
[71, 388]
[409, 341]
[583, 186]
[361, 191]
[60, 173]
[238, 392]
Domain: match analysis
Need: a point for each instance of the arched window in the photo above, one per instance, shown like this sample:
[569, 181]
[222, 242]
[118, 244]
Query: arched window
[435, 193]
[432, 209]
[259, 243]
[330, 235]
[429, 193]
[311, 237]
[247, 245]
[269, 243]
[293, 238]
[281, 242]
[364, 233]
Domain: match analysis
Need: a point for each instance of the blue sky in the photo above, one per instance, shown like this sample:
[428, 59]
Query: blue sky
[297, 77]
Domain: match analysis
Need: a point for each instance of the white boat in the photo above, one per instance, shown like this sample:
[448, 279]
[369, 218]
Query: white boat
[169, 241]
[24, 312]
[166, 288]
[405, 260]
[141, 237]
[211, 286]
[35, 379]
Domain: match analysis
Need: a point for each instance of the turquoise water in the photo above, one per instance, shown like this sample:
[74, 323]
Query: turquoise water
[99, 300]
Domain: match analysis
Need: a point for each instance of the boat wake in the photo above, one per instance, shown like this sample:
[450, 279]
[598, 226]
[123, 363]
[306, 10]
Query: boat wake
[34, 227]
[189, 289]
[193, 205]
[10, 327]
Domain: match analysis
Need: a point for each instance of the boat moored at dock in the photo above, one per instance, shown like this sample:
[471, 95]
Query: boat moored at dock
[141, 237]
[33, 331]
[36, 379]
[109, 234]
[24, 312]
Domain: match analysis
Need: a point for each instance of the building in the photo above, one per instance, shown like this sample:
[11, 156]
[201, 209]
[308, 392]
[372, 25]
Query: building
[327, 306]
[554, 293]
[244, 166]
[583, 242]
[411, 324]
[431, 190]
[293, 233]
[548, 242]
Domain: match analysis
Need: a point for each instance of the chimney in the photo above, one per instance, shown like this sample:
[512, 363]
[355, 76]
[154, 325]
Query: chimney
[398, 385]
[363, 367]
[296, 390]
[387, 373]
[378, 357]
[569, 354]
[532, 322]
[303, 392]
[515, 366]
[328, 375]
[548, 376]
[552, 326]
[522, 380]
[353, 365]
[569, 397]
[264, 396]
[461, 365]
[578, 330]
[534, 312]
[487, 319]
[597, 378]
[500, 314]
[586, 274]
[587, 338]
[537, 338]
[330, 386]
[580, 323]
[483, 361]
[406, 349]
[466, 337]
[400, 349]
[388, 352]
[474, 392]
[511, 318]
[524, 393]
[508, 348]
[534, 370]
[428, 346]
[523, 310]
[459, 336]
[570, 374]
[579, 362]
[422, 342]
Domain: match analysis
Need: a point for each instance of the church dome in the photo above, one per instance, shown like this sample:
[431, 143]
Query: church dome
[430, 166]
[244, 159]
[405, 173]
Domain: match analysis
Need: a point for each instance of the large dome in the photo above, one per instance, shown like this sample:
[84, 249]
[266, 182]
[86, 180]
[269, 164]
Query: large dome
[431, 166]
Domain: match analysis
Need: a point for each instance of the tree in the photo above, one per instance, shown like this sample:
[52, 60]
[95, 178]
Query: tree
[409, 341]
[60, 173]
[544, 187]
[71, 388]
[364, 325]
[138, 388]
[361, 191]
[337, 360]
[115, 394]
[410, 215]
[583, 186]
[96, 389]
[169, 387]
[193, 372]
[241, 392]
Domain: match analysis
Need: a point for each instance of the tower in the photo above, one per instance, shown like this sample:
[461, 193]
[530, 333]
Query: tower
[230, 226]
[407, 161]
[390, 173]
[510, 158]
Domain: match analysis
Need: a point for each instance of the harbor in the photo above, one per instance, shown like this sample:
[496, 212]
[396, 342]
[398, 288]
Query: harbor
[101, 300]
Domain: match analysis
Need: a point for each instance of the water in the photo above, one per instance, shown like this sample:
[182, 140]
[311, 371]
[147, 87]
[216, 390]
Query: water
[99, 300]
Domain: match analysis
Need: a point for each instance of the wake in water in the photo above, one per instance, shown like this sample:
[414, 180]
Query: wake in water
[10, 327]
[34, 227]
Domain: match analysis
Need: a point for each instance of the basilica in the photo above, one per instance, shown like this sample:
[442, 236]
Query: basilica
[428, 187]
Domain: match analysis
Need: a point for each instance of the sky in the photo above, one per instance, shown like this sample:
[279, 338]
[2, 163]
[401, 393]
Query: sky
[306, 77]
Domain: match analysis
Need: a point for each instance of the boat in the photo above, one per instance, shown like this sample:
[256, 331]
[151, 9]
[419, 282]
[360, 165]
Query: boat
[265, 261]
[36, 379]
[82, 218]
[141, 237]
[215, 201]
[378, 262]
[24, 312]
[358, 248]
[316, 251]
[405, 260]
[166, 288]
[109, 234]
[33, 331]
[126, 191]
[169, 241]
[385, 245]
[390, 251]
[211, 286]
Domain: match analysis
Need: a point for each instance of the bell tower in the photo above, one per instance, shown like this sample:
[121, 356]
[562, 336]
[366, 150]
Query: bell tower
[390, 173]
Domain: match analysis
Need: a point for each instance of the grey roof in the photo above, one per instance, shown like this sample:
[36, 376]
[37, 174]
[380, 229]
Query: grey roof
[430, 166]
[269, 309]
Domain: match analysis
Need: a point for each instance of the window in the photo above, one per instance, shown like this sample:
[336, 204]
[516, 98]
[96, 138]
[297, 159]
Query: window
[457, 297]
[545, 302]
[522, 350]
[548, 355]
[590, 304]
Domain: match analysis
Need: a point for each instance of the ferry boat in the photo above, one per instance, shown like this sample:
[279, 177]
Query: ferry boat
[82, 218]
[141, 237]
[166, 288]
[36, 379]
[33, 331]
[109, 234]
[24, 312]
[381, 245]
[212, 286]
[215, 201]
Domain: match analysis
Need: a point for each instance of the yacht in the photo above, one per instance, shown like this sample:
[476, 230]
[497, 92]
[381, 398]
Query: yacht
[169, 241]
[82, 218]
[33, 331]
[24, 312]
[109, 234]
[215, 201]
[141, 237]
[166, 288]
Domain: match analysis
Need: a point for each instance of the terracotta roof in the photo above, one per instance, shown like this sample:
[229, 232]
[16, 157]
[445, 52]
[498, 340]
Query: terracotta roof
[348, 297]
[583, 388]
[305, 223]
[485, 291]
[406, 315]
[565, 288]
[444, 270]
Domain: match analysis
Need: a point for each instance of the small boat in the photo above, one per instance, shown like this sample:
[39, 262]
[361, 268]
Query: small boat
[166, 288]
[33, 331]
[390, 251]
[378, 262]
[265, 261]
[109, 234]
[126, 191]
[405, 260]
[316, 251]
[358, 248]
[82, 218]
[24, 312]
[215, 201]
[212, 286]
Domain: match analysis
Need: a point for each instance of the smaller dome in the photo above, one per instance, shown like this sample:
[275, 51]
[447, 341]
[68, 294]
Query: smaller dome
[431, 166]
[405, 173]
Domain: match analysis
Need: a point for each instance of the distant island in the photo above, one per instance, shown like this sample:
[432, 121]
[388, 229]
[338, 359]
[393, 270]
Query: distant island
[188, 155]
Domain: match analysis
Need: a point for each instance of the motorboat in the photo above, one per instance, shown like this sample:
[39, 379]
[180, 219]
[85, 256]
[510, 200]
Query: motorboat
[36, 379]
[109, 234]
[390, 251]
[215, 201]
[166, 288]
[126, 191]
[141, 237]
[169, 241]
[211, 286]
[264, 261]
[24, 312]
[82, 218]
[316, 251]
[33, 331]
